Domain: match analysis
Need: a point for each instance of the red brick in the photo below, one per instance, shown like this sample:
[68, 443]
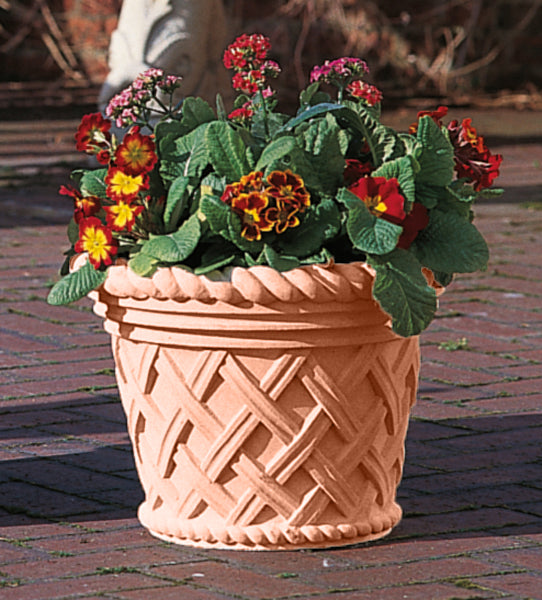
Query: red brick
[231, 580]
[405, 573]
[521, 585]
[60, 588]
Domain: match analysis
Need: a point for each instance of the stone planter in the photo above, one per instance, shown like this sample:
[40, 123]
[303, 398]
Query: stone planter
[265, 412]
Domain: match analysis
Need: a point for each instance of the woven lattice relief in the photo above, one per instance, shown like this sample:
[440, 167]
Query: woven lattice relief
[266, 410]
[259, 443]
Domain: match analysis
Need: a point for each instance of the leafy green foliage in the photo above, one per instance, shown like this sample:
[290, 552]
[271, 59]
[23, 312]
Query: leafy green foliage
[436, 158]
[258, 187]
[402, 292]
[76, 285]
[367, 232]
[226, 151]
[92, 183]
[451, 244]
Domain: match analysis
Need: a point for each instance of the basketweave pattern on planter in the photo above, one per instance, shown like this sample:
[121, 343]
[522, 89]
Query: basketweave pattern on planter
[314, 463]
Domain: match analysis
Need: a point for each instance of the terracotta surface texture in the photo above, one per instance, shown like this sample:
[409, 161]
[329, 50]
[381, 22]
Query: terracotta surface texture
[265, 412]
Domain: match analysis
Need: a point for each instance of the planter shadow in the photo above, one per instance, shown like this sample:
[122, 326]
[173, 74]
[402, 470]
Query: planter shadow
[463, 477]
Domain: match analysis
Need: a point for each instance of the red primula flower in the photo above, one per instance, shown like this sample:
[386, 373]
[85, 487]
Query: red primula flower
[416, 220]
[436, 115]
[251, 209]
[84, 206]
[122, 215]
[355, 169]
[288, 188]
[248, 183]
[97, 240]
[123, 186]
[473, 160]
[382, 197]
[93, 134]
[136, 154]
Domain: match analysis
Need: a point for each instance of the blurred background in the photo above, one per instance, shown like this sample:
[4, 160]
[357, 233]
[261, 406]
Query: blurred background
[421, 52]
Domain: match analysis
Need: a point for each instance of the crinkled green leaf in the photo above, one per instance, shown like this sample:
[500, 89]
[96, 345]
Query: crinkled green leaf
[401, 169]
[320, 223]
[76, 285]
[216, 213]
[185, 155]
[92, 183]
[278, 261]
[429, 195]
[174, 247]
[324, 149]
[226, 151]
[195, 111]
[451, 244]
[436, 158]
[402, 291]
[176, 202]
[143, 264]
[276, 150]
[190, 150]
[367, 232]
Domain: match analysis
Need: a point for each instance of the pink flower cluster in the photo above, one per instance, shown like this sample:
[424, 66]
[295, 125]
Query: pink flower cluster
[347, 73]
[343, 70]
[129, 105]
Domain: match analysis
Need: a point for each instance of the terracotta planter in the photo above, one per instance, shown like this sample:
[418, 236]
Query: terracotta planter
[266, 412]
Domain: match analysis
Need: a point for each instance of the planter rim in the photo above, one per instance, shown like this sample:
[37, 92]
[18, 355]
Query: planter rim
[342, 282]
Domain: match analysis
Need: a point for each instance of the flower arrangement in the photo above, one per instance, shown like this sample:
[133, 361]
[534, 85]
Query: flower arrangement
[208, 190]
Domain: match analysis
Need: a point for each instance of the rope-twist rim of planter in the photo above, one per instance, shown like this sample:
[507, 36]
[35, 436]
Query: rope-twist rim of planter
[260, 284]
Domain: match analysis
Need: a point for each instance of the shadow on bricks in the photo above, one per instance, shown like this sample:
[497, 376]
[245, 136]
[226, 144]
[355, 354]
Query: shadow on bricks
[462, 477]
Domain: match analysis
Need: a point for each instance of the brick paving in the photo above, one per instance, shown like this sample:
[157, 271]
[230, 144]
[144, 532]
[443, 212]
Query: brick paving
[472, 488]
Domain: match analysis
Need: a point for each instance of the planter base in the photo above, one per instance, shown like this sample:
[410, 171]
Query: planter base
[276, 538]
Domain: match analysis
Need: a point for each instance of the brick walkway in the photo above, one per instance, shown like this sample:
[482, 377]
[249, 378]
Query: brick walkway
[472, 489]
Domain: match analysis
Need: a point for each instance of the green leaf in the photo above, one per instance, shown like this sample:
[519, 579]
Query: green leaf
[176, 202]
[275, 151]
[429, 195]
[383, 141]
[367, 232]
[190, 150]
[174, 247]
[310, 113]
[279, 262]
[165, 133]
[322, 142]
[184, 155]
[93, 183]
[402, 170]
[436, 158]
[144, 265]
[226, 151]
[320, 224]
[195, 111]
[451, 244]
[402, 291]
[76, 285]
[216, 213]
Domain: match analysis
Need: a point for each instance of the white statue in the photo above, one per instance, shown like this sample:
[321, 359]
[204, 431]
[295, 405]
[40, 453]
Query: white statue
[181, 37]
